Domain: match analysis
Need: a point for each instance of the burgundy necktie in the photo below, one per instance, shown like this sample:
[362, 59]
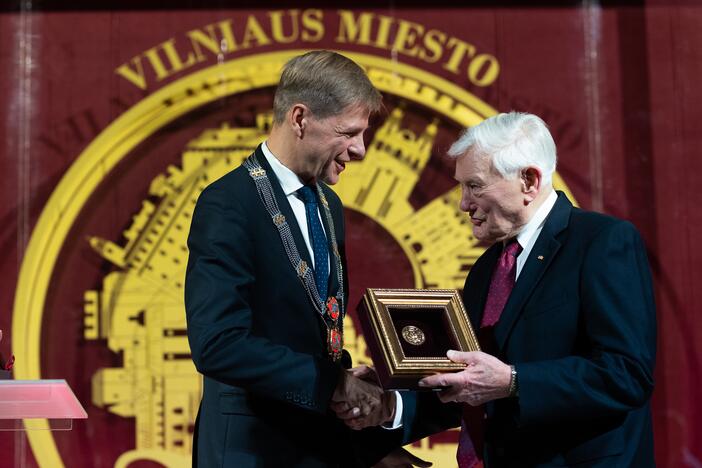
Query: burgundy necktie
[470, 443]
[501, 284]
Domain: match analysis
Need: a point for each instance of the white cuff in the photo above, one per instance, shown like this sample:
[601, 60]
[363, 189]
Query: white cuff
[397, 420]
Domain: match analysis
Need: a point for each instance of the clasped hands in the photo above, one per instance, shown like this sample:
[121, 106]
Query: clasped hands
[484, 379]
[359, 401]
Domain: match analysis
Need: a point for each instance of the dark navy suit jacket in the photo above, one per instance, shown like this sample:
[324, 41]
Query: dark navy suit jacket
[580, 328]
[257, 340]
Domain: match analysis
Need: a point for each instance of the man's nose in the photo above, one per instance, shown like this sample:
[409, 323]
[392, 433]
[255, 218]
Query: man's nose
[357, 149]
[466, 200]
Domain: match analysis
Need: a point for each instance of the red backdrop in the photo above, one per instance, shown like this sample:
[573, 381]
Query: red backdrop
[617, 83]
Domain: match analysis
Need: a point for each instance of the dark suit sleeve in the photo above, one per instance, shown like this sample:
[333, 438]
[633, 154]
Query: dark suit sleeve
[617, 328]
[218, 284]
[423, 414]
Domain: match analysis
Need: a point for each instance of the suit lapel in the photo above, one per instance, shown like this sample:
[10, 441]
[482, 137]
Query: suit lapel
[542, 254]
[285, 209]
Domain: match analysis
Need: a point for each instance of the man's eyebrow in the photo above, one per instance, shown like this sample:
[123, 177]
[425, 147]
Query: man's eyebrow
[471, 180]
[351, 129]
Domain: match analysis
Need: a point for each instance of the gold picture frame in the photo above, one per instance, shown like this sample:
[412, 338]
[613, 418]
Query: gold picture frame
[430, 322]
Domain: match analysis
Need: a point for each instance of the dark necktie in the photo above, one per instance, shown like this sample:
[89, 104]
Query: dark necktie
[317, 239]
[470, 443]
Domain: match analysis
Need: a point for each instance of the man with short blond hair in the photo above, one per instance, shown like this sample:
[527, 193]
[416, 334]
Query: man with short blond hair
[266, 289]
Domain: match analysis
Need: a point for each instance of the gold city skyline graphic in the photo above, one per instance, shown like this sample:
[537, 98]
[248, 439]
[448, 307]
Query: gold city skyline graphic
[140, 312]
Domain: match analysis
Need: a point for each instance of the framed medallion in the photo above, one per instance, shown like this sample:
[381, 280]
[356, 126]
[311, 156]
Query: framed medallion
[408, 332]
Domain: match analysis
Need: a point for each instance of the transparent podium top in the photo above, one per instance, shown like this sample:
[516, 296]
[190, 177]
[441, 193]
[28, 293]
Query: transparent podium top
[37, 405]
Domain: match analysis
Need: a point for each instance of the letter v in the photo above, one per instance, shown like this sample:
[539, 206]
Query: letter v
[133, 75]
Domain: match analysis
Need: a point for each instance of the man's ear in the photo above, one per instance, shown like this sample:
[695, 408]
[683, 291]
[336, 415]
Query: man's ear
[531, 179]
[298, 117]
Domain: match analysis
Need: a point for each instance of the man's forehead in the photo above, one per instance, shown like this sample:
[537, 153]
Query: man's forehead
[353, 119]
[473, 160]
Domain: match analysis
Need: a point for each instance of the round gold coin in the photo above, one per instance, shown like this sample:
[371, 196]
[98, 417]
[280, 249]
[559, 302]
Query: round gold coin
[413, 335]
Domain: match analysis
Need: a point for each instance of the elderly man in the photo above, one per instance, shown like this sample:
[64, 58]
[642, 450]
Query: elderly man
[265, 289]
[563, 305]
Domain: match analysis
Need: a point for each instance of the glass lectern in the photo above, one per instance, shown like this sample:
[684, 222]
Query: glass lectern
[38, 405]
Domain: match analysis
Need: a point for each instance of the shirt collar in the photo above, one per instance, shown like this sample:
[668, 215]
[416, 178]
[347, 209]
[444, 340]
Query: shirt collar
[289, 181]
[537, 221]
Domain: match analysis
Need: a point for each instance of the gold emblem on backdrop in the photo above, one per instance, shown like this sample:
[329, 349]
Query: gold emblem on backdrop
[158, 384]
[139, 309]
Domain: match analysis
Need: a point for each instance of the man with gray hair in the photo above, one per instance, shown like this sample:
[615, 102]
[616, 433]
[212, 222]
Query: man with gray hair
[563, 305]
[266, 287]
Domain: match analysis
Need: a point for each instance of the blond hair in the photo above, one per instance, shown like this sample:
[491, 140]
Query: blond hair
[326, 82]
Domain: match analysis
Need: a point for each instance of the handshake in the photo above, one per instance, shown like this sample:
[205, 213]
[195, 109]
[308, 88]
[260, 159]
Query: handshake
[359, 400]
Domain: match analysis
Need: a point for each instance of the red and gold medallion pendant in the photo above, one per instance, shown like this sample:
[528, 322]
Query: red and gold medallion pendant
[335, 342]
[333, 308]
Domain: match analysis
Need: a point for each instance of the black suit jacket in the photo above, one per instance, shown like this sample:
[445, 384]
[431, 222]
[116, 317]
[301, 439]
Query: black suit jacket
[580, 328]
[256, 338]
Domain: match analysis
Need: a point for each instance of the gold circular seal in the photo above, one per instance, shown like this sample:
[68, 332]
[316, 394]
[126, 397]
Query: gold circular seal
[433, 264]
[413, 335]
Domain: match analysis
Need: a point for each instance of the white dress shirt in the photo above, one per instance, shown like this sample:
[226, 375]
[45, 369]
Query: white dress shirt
[291, 183]
[530, 232]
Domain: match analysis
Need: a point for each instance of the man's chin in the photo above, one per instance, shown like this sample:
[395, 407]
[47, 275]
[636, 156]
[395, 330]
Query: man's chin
[330, 177]
[482, 234]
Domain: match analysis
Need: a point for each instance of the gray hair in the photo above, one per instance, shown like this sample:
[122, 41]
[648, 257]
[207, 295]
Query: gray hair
[327, 83]
[512, 141]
